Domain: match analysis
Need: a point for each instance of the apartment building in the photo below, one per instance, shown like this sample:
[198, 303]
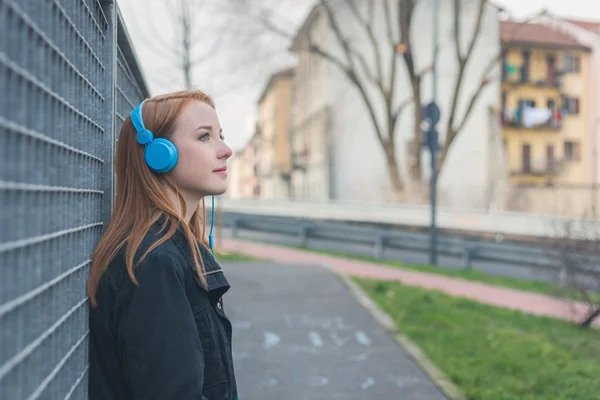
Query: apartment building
[548, 100]
[588, 34]
[274, 157]
[263, 167]
[544, 111]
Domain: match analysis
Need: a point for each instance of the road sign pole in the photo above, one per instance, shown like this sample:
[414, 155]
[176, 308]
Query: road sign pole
[434, 139]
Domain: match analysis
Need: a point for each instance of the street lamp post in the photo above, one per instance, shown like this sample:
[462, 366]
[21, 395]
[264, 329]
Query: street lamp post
[433, 114]
[430, 117]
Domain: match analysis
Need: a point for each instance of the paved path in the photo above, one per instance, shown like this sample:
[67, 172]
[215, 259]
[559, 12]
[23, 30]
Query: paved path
[300, 334]
[530, 303]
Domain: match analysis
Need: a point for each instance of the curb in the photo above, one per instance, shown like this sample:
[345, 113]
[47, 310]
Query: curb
[415, 353]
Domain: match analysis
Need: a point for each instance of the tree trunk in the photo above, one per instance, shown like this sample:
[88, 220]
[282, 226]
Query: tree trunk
[415, 157]
[590, 318]
[444, 153]
[392, 167]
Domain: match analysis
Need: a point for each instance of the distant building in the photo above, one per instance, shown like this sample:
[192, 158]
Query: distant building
[274, 172]
[549, 99]
[544, 104]
[263, 167]
[335, 152]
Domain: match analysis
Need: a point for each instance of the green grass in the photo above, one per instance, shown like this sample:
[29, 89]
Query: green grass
[471, 275]
[235, 257]
[492, 353]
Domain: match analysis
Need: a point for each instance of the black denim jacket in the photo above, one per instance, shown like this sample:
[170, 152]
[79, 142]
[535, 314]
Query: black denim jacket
[167, 338]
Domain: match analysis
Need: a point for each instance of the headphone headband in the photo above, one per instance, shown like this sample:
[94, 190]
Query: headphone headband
[136, 117]
[144, 136]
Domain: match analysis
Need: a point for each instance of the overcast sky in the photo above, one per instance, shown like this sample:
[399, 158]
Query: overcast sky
[149, 24]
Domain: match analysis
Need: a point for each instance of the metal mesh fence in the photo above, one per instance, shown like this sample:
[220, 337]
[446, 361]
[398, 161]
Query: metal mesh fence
[67, 78]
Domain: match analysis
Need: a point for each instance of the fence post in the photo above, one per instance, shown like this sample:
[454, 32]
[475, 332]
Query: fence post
[379, 245]
[303, 236]
[562, 275]
[110, 52]
[234, 227]
[468, 253]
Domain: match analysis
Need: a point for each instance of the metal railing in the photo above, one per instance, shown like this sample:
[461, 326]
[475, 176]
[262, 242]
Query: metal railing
[409, 215]
[68, 75]
[303, 232]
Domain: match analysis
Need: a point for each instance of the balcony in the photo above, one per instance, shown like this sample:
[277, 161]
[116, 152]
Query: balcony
[532, 118]
[545, 126]
[540, 172]
[541, 83]
[521, 76]
[548, 171]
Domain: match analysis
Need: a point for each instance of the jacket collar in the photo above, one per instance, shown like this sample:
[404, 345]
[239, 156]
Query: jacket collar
[216, 281]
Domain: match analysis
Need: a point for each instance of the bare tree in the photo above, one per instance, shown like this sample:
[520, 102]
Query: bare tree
[406, 10]
[366, 72]
[576, 249]
[187, 47]
[373, 73]
[456, 121]
[362, 74]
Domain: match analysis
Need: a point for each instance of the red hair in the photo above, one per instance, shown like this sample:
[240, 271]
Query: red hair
[141, 199]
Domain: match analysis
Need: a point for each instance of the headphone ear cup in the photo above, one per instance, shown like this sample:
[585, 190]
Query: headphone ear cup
[161, 155]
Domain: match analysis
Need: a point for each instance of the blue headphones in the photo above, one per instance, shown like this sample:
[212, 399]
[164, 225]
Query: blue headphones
[161, 156]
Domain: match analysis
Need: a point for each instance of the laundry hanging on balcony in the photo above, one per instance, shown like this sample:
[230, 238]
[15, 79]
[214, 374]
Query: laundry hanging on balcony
[529, 117]
[533, 116]
[510, 69]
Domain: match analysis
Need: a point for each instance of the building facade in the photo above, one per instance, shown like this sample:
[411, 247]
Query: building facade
[588, 34]
[544, 111]
[547, 100]
[263, 167]
[337, 154]
[244, 165]
[274, 158]
[310, 116]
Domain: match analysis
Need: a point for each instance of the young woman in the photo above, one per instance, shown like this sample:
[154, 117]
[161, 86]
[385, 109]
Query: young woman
[157, 325]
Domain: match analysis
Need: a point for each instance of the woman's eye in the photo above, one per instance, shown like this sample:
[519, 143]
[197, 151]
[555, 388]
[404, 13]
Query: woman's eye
[205, 137]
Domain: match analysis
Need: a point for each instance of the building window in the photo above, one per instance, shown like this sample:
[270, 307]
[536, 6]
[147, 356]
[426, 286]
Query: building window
[571, 151]
[572, 64]
[572, 105]
[525, 66]
[504, 66]
[549, 156]
[526, 158]
[526, 103]
[551, 69]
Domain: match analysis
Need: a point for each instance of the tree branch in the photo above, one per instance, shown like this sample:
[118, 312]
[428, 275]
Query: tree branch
[350, 69]
[462, 64]
[471, 105]
[394, 59]
[366, 24]
[365, 66]
[270, 26]
[456, 31]
[476, 33]
[405, 11]
[397, 113]
[451, 130]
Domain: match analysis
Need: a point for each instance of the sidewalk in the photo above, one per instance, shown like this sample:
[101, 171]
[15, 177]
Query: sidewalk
[300, 333]
[529, 303]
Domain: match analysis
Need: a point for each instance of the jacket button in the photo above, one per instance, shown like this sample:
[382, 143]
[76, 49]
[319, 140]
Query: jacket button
[219, 305]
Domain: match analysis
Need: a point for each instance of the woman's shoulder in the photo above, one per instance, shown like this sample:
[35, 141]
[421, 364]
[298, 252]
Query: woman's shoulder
[147, 259]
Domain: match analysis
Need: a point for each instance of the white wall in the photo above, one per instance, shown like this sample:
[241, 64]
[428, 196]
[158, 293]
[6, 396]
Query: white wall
[359, 163]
